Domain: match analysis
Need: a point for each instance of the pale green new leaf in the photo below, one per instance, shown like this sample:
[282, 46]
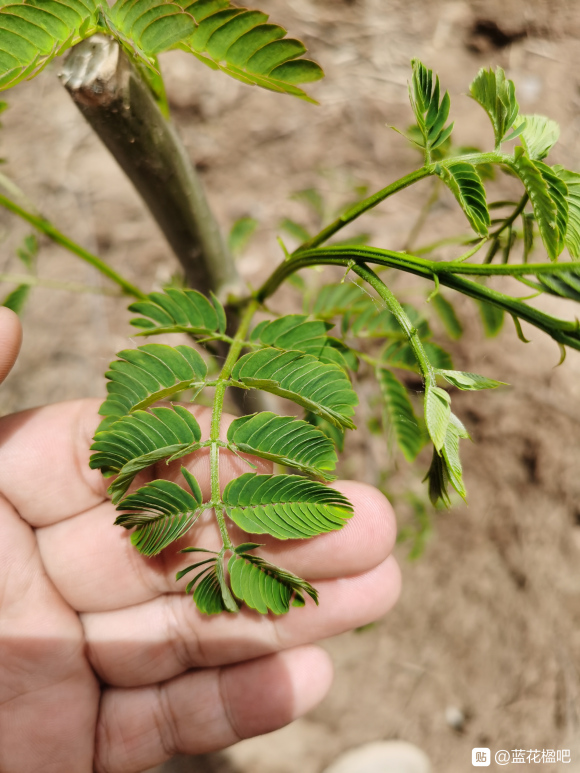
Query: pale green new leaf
[559, 194]
[431, 110]
[492, 318]
[469, 381]
[437, 413]
[285, 506]
[142, 376]
[179, 311]
[464, 182]
[265, 587]
[543, 205]
[162, 512]
[539, 135]
[399, 415]
[572, 182]
[141, 439]
[34, 32]
[243, 44]
[321, 388]
[446, 466]
[497, 95]
[284, 440]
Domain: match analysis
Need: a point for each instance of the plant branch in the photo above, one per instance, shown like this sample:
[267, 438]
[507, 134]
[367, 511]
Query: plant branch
[119, 105]
[46, 227]
[52, 284]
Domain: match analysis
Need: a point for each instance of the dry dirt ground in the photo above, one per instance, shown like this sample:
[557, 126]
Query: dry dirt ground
[489, 620]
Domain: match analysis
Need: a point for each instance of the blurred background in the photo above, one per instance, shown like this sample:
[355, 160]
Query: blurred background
[483, 648]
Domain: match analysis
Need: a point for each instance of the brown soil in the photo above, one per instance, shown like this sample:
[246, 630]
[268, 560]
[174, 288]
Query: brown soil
[489, 620]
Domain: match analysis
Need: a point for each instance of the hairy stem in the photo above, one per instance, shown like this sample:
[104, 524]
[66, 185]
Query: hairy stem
[218, 405]
[46, 227]
[53, 284]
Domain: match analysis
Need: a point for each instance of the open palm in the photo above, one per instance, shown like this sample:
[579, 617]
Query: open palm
[105, 664]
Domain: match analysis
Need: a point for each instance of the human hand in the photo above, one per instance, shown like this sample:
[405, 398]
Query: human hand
[105, 664]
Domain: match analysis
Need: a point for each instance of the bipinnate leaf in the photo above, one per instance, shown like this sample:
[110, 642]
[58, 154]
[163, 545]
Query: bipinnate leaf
[141, 439]
[148, 27]
[539, 135]
[465, 183]
[447, 315]
[142, 376]
[572, 236]
[469, 381]
[400, 419]
[179, 311]
[285, 440]
[497, 95]
[32, 33]
[446, 465]
[431, 110]
[542, 202]
[437, 413]
[265, 587]
[162, 511]
[243, 44]
[285, 506]
[321, 388]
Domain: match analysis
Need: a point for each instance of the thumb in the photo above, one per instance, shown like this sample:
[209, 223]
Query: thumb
[10, 340]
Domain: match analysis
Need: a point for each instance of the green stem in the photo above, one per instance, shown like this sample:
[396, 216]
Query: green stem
[45, 227]
[218, 405]
[405, 323]
[52, 284]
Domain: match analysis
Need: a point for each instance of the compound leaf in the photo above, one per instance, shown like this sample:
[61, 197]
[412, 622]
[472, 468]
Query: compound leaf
[572, 236]
[162, 512]
[243, 44]
[285, 506]
[399, 414]
[543, 204]
[32, 33]
[464, 182]
[265, 587]
[285, 440]
[446, 466]
[437, 413]
[141, 439]
[431, 110]
[149, 27]
[539, 135]
[179, 311]
[336, 299]
[142, 376]
[321, 388]
[497, 95]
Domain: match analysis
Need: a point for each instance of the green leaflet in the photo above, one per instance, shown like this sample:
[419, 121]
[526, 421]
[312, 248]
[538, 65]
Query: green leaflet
[539, 135]
[469, 381]
[266, 588]
[318, 387]
[337, 299]
[431, 111]
[564, 284]
[141, 439]
[212, 594]
[33, 33]
[240, 234]
[243, 44]
[559, 194]
[447, 315]
[437, 413]
[572, 236]
[497, 95]
[545, 212]
[464, 182]
[400, 417]
[179, 311]
[16, 299]
[162, 512]
[142, 376]
[492, 318]
[297, 332]
[446, 467]
[374, 321]
[285, 506]
[149, 27]
[331, 431]
[285, 440]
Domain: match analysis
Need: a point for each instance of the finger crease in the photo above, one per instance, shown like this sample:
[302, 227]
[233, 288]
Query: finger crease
[166, 723]
[182, 635]
[226, 706]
